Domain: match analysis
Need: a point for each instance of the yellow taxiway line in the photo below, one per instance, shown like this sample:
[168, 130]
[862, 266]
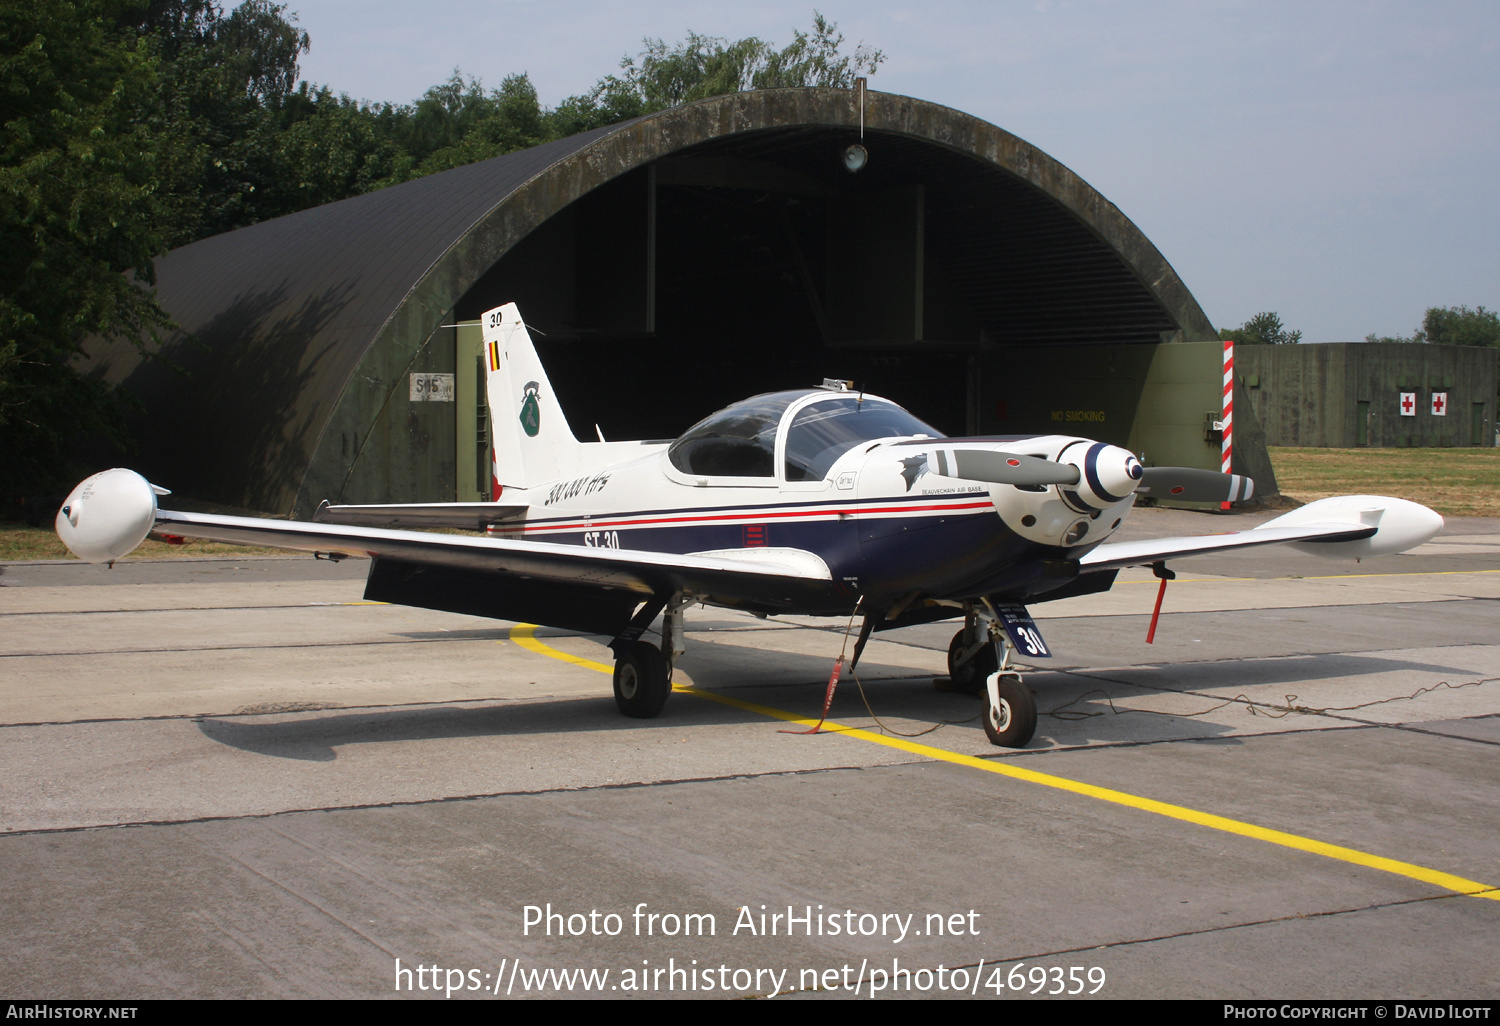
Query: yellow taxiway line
[525, 636]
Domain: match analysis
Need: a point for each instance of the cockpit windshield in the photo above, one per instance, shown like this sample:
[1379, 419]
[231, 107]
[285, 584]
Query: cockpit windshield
[738, 441]
[823, 431]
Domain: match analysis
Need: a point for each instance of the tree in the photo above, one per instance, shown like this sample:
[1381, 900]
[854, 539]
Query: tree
[459, 123]
[333, 147]
[815, 60]
[1460, 326]
[80, 220]
[127, 127]
[1264, 329]
[259, 47]
[130, 127]
[695, 69]
[1452, 326]
[222, 82]
[663, 76]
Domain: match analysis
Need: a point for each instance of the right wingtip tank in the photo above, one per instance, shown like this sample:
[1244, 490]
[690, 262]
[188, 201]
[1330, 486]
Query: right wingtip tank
[1400, 524]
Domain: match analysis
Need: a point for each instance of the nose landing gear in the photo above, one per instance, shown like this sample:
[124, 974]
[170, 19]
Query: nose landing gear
[1010, 710]
[978, 661]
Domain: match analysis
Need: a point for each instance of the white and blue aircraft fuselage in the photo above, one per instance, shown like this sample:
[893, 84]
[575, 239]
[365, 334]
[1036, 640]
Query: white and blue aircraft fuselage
[822, 501]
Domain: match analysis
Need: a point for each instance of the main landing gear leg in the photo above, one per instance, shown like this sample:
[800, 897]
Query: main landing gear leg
[971, 653]
[643, 674]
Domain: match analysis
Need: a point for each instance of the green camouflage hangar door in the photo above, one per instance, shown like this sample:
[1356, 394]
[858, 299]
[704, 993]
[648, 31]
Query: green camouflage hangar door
[472, 429]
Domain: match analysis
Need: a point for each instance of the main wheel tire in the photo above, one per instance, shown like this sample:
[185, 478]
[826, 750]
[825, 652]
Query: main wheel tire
[969, 678]
[1014, 722]
[641, 682]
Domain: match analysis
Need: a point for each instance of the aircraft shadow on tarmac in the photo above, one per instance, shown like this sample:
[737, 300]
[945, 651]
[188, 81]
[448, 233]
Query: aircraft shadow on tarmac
[316, 736]
[895, 694]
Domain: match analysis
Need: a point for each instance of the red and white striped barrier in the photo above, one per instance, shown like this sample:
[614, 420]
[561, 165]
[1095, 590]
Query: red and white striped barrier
[1228, 433]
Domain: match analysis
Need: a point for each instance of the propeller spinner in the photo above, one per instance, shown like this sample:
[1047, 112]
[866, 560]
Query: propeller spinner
[1103, 474]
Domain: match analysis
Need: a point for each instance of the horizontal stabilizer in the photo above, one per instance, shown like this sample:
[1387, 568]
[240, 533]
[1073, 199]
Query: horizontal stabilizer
[474, 516]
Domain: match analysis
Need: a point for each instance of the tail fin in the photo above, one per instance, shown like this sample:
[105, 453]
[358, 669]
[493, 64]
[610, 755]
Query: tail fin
[532, 440]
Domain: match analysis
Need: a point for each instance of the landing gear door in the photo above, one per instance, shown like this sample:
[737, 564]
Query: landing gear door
[1023, 631]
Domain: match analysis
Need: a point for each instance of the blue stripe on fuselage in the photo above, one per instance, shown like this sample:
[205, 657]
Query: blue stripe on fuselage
[939, 553]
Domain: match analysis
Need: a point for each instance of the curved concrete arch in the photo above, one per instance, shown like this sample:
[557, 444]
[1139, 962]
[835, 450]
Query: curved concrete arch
[310, 322]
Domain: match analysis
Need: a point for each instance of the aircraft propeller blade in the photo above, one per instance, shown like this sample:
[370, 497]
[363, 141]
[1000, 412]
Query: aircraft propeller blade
[1010, 468]
[1189, 484]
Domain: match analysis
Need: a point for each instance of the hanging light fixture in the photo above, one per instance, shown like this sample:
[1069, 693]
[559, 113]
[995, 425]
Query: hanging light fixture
[856, 156]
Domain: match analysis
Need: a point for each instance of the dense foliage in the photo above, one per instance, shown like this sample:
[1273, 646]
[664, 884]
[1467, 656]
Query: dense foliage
[130, 127]
[1452, 326]
[1264, 329]
[81, 216]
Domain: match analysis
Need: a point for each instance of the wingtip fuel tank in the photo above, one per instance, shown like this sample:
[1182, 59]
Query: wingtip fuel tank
[107, 515]
[1399, 524]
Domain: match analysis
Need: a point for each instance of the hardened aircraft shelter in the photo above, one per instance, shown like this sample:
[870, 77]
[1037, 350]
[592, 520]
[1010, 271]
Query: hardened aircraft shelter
[668, 266]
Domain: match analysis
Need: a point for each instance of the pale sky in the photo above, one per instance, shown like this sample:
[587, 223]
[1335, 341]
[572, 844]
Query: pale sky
[1335, 162]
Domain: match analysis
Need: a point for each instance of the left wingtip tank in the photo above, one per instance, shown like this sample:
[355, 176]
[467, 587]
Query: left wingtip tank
[107, 515]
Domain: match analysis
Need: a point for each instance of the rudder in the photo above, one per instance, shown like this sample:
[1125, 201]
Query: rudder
[533, 443]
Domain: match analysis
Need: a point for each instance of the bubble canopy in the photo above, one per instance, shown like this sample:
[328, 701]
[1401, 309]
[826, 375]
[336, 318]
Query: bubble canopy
[820, 426]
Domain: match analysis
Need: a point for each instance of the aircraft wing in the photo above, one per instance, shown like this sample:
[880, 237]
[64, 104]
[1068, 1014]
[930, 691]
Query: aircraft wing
[779, 577]
[571, 586]
[1114, 555]
[1351, 526]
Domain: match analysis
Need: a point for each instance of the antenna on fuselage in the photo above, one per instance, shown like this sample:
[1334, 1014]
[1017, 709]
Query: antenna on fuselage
[841, 385]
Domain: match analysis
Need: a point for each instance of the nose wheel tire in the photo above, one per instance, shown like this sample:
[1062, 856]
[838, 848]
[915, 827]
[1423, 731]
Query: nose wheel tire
[968, 678]
[641, 682]
[1010, 722]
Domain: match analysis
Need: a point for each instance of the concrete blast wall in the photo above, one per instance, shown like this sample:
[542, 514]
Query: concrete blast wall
[1391, 395]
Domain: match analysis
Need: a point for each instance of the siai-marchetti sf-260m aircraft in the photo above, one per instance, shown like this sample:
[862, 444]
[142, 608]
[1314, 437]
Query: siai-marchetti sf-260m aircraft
[821, 501]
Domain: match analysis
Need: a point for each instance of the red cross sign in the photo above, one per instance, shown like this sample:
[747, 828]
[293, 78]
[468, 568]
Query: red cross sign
[1440, 404]
[1408, 404]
